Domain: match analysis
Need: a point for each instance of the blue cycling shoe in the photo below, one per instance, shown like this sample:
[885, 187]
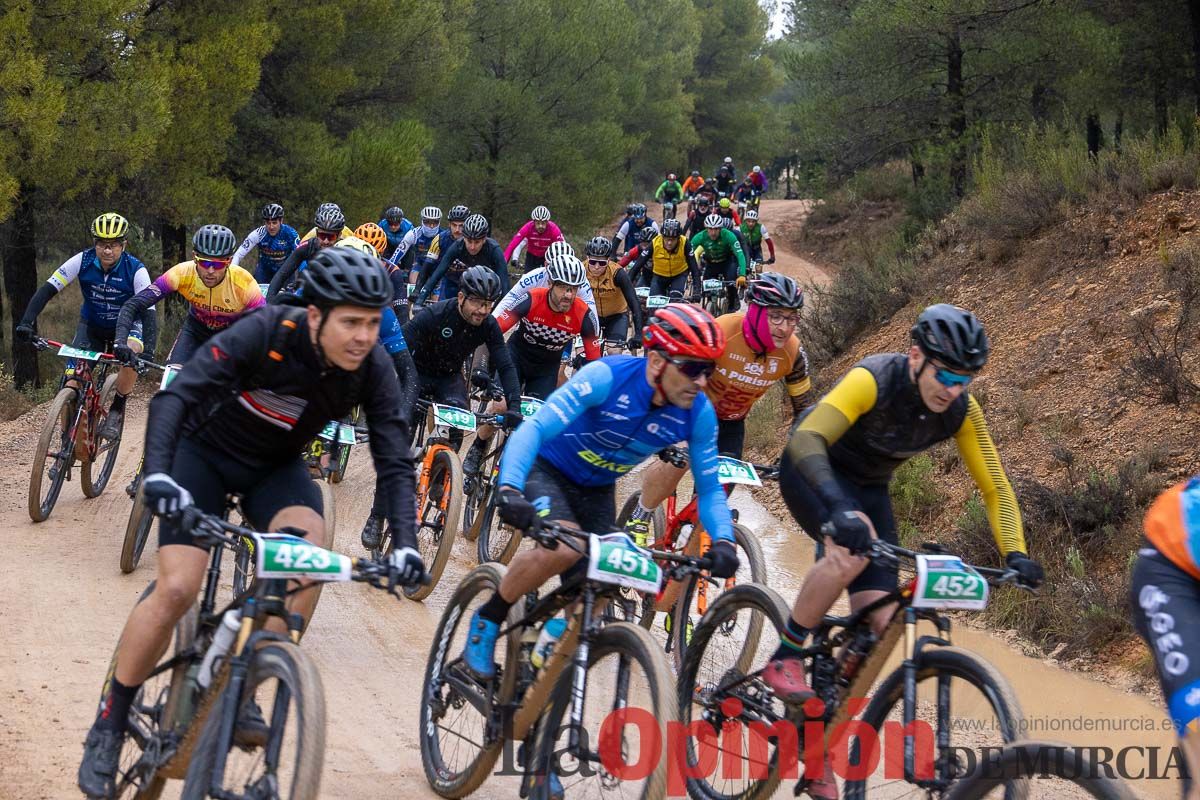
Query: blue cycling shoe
[480, 652]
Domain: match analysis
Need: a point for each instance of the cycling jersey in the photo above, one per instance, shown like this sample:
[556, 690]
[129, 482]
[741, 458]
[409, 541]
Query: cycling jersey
[544, 332]
[441, 340]
[692, 185]
[874, 420]
[667, 263]
[540, 277]
[743, 375]
[721, 249]
[456, 260]
[272, 250]
[602, 423]
[261, 400]
[535, 243]
[214, 308]
[294, 263]
[394, 237]
[103, 292]
[626, 233]
[418, 240]
[669, 191]
[391, 335]
[755, 234]
[614, 294]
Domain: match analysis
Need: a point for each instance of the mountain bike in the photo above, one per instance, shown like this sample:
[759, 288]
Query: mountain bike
[1045, 761]
[71, 430]
[465, 722]
[715, 295]
[182, 721]
[328, 455]
[923, 701]
[678, 529]
[137, 528]
[669, 209]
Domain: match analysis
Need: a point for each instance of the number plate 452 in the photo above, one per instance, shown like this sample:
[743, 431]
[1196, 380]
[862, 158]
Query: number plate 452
[946, 582]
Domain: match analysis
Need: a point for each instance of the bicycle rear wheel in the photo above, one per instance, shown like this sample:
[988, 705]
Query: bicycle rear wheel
[476, 501]
[53, 457]
[286, 684]
[94, 474]
[438, 520]
[497, 541]
[1044, 761]
[137, 532]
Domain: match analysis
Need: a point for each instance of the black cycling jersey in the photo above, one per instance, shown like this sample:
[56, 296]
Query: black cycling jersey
[456, 260]
[261, 398]
[440, 340]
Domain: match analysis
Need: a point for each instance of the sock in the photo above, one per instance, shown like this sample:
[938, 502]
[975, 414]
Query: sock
[114, 715]
[118, 403]
[496, 609]
[641, 512]
[791, 640]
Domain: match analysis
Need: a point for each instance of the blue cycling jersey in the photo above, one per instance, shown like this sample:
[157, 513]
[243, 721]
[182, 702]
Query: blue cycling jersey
[272, 250]
[103, 292]
[390, 334]
[395, 238]
[599, 425]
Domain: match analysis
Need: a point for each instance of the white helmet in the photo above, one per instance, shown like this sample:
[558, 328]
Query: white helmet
[540, 214]
[751, 214]
[432, 213]
[565, 269]
[557, 249]
[757, 168]
[728, 159]
[714, 221]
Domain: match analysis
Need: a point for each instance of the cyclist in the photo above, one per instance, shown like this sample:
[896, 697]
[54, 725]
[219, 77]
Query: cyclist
[275, 242]
[329, 226]
[722, 255]
[755, 234]
[455, 218]
[841, 457]
[669, 192]
[440, 338]
[108, 276]
[541, 277]
[609, 417]
[692, 184]
[238, 420]
[760, 179]
[548, 319]
[726, 178]
[416, 242]
[475, 249]
[615, 297]
[761, 349]
[725, 208]
[395, 226]
[746, 191]
[631, 229]
[668, 260]
[217, 292]
[701, 207]
[1165, 598]
[537, 234]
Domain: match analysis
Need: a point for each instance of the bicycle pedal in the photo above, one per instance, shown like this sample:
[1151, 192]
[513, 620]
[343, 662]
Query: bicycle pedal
[733, 512]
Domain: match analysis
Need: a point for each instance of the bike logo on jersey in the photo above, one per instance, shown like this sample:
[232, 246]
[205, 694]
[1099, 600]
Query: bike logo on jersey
[447, 333]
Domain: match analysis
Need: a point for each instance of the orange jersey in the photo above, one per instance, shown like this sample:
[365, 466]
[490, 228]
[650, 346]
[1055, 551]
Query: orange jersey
[743, 376]
[1173, 525]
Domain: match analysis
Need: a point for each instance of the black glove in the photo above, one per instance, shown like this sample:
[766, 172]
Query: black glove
[405, 567]
[512, 419]
[25, 332]
[634, 344]
[724, 559]
[163, 495]
[515, 510]
[771, 260]
[480, 379]
[125, 354]
[1030, 571]
[578, 361]
[850, 531]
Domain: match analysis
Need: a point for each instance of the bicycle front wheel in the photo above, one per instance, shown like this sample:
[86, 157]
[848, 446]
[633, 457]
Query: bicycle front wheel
[94, 473]
[627, 670]
[438, 519]
[958, 694]
[53, 457]
[1054, 765]
[285, 683]
[137, 531]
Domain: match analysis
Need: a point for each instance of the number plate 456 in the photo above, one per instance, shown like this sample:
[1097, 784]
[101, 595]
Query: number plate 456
[946, 582]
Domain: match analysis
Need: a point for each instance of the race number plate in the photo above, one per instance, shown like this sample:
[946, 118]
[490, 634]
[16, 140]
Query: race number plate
[712, 285]
[74, 352]
[344, 433]
[280, 555]
[642, 291]
[168, 375]
[530, 406]
[262, 287]
[946, 582]
[730, 470]
[657, 301]
[454, 417]
[412, 289]
[614, 559]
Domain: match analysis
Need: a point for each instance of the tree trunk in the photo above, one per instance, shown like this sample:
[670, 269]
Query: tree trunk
[1118, 130]
[20, 281]
[1095, 135]
[174, 251]
[1039, 104]
[1161, 117]
[1194, 13]
[958, 113]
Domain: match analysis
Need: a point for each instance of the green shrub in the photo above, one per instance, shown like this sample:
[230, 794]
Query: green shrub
[915, 499]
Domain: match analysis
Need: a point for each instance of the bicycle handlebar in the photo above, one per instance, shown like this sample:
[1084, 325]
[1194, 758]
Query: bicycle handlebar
[678, 457]
[675, 565]
[42, 343]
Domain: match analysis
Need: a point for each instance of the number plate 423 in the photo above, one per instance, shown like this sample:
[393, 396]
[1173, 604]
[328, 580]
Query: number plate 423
[280, 555]
[946, 582]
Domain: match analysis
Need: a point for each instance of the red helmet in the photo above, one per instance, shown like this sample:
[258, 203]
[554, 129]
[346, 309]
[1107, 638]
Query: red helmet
[679, 329]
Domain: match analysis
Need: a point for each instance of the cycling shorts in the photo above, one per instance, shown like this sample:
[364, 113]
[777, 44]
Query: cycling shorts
[811, 513]
[558, 499]
[535, 380]
[211, 475]
[533, 262]
[614, 328]
[192, 334]
[662, 285]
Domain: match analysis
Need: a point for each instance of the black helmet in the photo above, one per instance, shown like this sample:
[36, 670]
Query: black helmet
[772, 290]
[703, 201]
[339, 276]
[629, 209]
[953, 336]
[272, 211]
[598, 247]
[480, 282]
[475, 226]
[647, 234]
[329, 217]
[458, 214]
[215, 241]
[695, 173]
[394, 214]
[672, 227]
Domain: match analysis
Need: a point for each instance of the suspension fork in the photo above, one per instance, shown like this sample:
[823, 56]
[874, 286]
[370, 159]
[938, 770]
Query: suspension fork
[579, 670]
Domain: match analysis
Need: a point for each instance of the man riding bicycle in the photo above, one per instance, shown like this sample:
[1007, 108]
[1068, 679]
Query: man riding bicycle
[666, 261]
[411, 251]
[616, 299]
[841, 458]
[329, 227]
[396, 227]
[692, 184]
[541, 277]
[455, 218]
[238, 420]
[324, 210]
[441, 337]
[669, 191]
[754, 233]
[722, 255]
[275, 242]
[108, 276]
[761, 349]
[475, 249]
[537, 234]
[632, 229]
[217, 292]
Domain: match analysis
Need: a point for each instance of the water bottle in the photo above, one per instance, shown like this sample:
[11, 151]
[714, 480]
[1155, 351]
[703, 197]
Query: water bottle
[685, 533]
[552, 631]
[222, 641]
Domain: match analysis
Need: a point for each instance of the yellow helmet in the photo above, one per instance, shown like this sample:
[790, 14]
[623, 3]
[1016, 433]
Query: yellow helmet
[354, 243]
[724, 202]
[110, 226]
[373, 235]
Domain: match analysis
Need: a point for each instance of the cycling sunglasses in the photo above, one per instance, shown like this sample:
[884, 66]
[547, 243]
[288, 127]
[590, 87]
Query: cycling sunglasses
[326, 236]
[599, 262]
[209, 263]
[694, 370]
[951, 379]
